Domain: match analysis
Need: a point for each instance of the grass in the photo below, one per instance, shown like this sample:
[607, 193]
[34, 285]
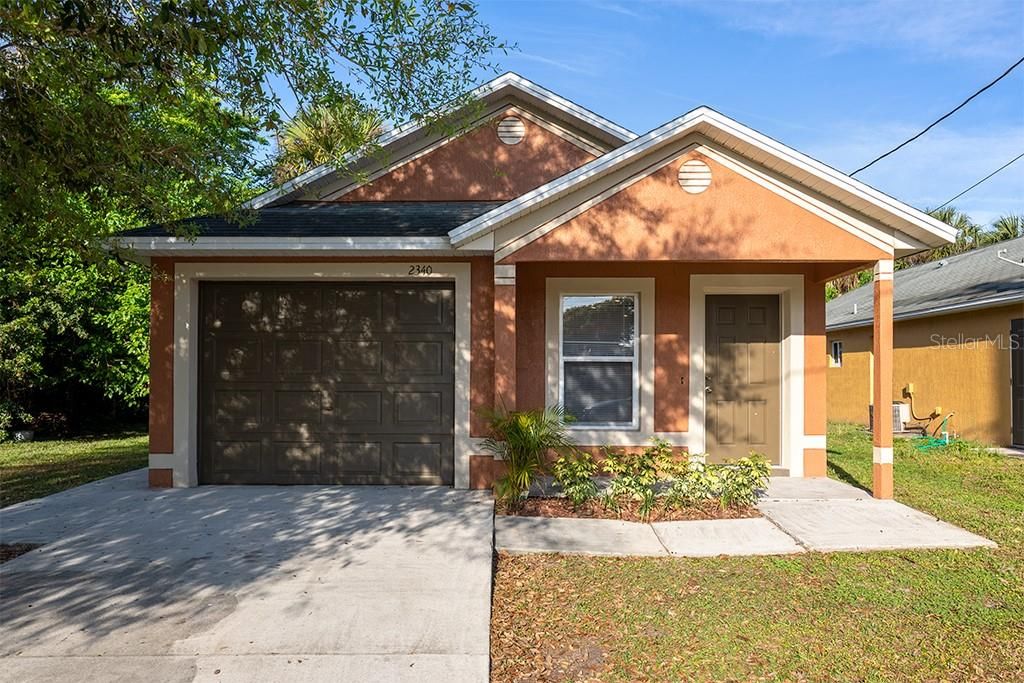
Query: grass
[884, 616]
[39, 468]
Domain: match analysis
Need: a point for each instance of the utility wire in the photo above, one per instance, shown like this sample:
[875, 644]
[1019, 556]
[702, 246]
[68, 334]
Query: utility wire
[941, 119]
[1016, 158]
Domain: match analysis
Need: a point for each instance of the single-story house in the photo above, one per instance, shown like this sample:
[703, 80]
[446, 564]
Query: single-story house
[958, 347]
[669, 284]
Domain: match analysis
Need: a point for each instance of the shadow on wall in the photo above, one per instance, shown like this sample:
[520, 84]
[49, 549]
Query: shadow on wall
[119, 557]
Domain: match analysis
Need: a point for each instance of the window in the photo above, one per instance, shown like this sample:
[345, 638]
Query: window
[836, 357]
[599, 378]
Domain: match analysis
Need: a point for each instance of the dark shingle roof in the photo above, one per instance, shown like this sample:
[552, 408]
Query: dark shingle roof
[339, 219]
[971, 280]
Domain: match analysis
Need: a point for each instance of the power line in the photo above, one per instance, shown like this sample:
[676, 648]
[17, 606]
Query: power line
[940, 119]
[1016, 158]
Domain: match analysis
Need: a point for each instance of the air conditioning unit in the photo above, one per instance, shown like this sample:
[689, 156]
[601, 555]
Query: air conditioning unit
[900, 416]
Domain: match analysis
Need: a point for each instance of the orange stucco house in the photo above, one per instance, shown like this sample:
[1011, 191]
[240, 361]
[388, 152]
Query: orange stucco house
[669, 284]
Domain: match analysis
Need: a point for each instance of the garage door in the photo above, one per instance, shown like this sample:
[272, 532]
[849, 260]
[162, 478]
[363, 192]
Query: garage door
[326, 383]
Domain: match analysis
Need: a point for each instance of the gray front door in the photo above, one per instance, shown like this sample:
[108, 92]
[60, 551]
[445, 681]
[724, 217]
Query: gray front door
[326, 383]
[742, 376]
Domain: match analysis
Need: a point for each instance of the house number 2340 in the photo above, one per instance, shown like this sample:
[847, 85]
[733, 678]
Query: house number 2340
[420, 270]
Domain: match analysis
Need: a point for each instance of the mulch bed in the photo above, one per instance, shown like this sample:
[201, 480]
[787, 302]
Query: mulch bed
[628, 511]
[9, 551]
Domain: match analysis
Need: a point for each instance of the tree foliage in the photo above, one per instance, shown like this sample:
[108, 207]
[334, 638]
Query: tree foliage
[969, 236]
[111, 107]
[323, 134]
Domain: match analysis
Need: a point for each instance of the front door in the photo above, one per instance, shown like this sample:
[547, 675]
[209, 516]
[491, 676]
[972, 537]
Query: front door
[743, 376]
[1017, 380]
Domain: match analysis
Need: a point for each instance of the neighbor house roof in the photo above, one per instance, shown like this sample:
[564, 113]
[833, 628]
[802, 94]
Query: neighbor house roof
[506, 88]
[325, 225]
[976, 279]
[920, 229]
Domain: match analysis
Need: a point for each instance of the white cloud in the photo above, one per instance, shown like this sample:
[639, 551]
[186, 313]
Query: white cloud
[928, 172]
[935, 28]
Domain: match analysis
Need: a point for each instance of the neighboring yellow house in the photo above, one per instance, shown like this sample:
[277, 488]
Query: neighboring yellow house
[958, 340]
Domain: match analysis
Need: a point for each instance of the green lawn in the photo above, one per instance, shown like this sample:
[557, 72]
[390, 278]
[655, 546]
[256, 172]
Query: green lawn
[886, 616]
[39, 468]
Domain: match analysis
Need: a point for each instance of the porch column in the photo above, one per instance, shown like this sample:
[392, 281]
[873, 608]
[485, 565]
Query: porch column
[882, 480]
[505, 337]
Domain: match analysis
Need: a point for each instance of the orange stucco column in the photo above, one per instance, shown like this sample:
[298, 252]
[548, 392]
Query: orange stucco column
[505, 337]
[882, 479]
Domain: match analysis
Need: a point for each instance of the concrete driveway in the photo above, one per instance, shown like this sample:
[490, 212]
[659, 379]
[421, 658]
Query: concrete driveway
[247, 583]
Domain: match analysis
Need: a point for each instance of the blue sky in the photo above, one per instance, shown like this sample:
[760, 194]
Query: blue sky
[841, 81]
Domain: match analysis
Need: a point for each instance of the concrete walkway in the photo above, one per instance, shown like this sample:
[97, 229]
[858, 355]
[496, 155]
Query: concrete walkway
[800, 515]
[248, 583]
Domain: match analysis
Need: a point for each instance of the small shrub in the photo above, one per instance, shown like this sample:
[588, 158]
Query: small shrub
[693, 482]
[741, 480]
[522, 439]
[634, 475]
[574, 474]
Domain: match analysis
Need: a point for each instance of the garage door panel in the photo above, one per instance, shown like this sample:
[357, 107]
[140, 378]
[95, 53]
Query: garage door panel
[235, 358]
[356, 312]
[297, 307]
[354, 360]
[296, 458]
[327, 383]
[239, 307]
[297, 358]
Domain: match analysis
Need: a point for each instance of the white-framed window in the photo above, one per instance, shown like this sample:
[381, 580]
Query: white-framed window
[835, 358]
[599, 366]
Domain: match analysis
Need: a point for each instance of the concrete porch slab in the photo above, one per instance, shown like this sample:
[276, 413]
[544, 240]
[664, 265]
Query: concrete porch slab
[708, 538]
[828, 525]
[815, 488]
[575, 536]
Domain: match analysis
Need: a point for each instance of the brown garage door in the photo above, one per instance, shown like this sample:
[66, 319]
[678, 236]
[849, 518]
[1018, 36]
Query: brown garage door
[326, 383]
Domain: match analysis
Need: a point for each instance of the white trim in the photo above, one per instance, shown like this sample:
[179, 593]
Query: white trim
[790, 289]
[883, 270]
[505, 275]
[187, 277]
[815, 441]
[512, 82]
[835, 354]
[555, 288]
[845, 190]
[173, 462]
[881, 455]
[250, 245]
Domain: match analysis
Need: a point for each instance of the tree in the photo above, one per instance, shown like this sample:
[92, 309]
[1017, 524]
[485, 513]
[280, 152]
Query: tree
[106, 106]
[969, 235]
[322, 134]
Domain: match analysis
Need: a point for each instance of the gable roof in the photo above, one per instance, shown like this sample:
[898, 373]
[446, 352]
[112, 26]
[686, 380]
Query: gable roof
[975, 279]
[506, 87]
[918, 228]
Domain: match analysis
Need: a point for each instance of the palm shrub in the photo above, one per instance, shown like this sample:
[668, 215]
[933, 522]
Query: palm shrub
[522, 439]
[575, 476]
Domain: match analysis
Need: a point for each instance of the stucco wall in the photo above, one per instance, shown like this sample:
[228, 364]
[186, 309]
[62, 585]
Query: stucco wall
[477, 166]
[654, 219]
[948, 368]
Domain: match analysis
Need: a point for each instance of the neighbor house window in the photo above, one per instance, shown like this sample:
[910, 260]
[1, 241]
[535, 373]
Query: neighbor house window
[836, 358]
[599, 361]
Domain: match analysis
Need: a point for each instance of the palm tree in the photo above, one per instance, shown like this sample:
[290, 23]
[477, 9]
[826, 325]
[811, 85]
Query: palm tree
[324, 134]
[1008, 227]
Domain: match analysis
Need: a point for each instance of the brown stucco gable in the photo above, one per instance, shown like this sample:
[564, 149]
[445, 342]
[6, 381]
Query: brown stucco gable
[735, 219]
[477, 166]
